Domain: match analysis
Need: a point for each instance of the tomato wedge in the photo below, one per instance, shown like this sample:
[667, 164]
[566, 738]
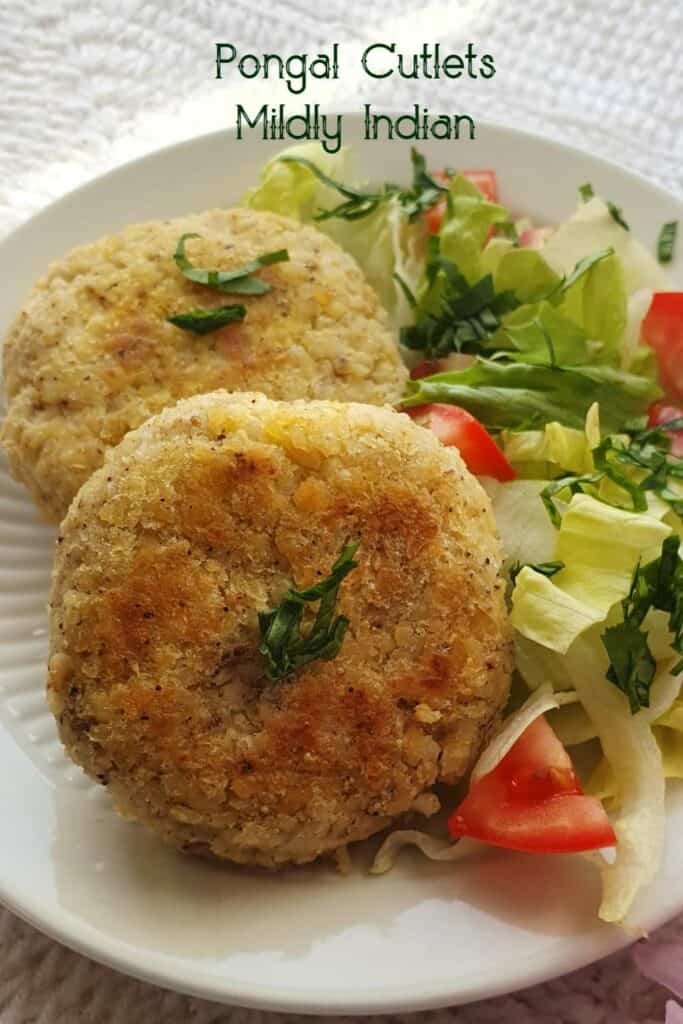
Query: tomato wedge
[534, 238]
[455, 426]
[485, 181]
[664, 412]
[428, 367]
[663, 330]
[533, 801]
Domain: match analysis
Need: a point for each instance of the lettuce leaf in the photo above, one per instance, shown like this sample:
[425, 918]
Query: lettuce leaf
[525, 272]
[555, 450]
[600, 547]
[520, 395]
[519, 502]
[466, 225]
[540, 334]
[383, 244]
[604, 306]
[538, 703]
[592, 227]
[631, 750]
[292, 189]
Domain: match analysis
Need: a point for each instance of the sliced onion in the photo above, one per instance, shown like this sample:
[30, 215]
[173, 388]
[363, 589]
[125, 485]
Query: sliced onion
[541, 700]
[431, 846]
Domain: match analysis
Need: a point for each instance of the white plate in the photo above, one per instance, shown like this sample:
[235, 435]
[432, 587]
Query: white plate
[307, 940]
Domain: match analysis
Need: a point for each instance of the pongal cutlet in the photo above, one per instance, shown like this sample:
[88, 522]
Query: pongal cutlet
[93, 354]
[173, 560]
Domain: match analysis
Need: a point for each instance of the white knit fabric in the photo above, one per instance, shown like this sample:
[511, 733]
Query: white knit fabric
[84, 87]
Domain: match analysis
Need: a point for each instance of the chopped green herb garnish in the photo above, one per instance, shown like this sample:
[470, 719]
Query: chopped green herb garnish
[647, 452]
[425, 192]
[356, 205]
[467, 314]
[284, 648]
[617, 214]
[586, 192]
[238, 282]
[666, 241]
[548, 569]
[581, 268]
[659, 586]
[203, 321]
[508, 229]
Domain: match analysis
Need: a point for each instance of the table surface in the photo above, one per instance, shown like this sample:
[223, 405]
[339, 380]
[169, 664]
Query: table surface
[84, 88]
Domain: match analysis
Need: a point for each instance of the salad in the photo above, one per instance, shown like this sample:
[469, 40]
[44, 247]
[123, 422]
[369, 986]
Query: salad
[552, 357]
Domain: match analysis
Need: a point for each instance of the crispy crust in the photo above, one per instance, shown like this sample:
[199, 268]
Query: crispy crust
[202, 517]
[91, 354]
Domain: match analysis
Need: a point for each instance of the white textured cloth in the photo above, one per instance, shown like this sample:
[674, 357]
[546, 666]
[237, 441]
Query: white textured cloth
[84, 87]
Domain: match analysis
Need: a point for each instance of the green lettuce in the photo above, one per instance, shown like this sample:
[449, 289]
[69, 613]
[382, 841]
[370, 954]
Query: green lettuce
[292, 189]
[467, 222]
[383, 243]
[600, 547]
[525, 272]
[554, 451]
[518, 395]
[592, 227]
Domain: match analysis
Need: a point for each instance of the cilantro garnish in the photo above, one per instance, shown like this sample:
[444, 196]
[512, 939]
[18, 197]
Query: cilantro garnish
[456, 316]
[204, 321]
[284, 648]
[647, 452]
[666, 241]
[548, 569]
[425, 192]
[238, 282]
[617, 214]
[586, 192]
[658, 585]
[466, 317]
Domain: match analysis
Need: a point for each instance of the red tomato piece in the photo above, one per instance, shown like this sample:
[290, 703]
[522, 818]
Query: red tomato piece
[663, 330]
[664, 412]
[427, 368]
[533, 801]
[485, 181]
[534, 238]
[434, 216]
[455, 426]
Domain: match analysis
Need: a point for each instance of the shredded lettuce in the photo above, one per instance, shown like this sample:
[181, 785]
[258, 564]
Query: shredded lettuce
[384, 243]
[541, 700]
[519, 502]
[560, 622]
[525, 272]
[293, 190]
[540, 334]
[431, 846]
[632, 752]
[555, 450]
[519, 395]
[592, 227]
[604, 306]
[600, 547]
[466, 225]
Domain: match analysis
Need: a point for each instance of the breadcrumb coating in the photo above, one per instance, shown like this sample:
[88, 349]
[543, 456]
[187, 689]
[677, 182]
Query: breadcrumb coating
[204, 516]
[92, 355]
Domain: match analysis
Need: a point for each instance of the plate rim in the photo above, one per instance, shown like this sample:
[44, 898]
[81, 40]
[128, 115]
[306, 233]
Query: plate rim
[86, 940]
